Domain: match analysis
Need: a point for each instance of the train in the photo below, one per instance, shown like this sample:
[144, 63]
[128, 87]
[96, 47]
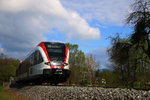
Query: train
[47, 63]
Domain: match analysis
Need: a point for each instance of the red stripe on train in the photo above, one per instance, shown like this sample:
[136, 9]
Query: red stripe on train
[45, 51]
[52, 66]
[57, 66]
[62, 66]
[66, 54]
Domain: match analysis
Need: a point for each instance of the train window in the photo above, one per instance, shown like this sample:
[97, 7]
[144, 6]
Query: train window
[35, 57]
[56, 49]
[54, 46]
[32, 59]
[39, 57]
[28, 62]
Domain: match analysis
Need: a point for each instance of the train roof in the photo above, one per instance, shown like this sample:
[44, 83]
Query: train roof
[53, 42]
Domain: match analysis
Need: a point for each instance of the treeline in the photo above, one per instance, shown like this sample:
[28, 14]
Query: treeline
[82, 67]
[7, 68]
[85, 71]
[130, 56]
[128, 71]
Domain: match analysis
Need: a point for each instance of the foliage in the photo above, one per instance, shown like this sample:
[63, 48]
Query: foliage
[82, 67]
[7, 69]
[140, 18]
[91, 66]
[128, 60]
[73, 49]
[109, 79]
[130, 57]
[4, 95]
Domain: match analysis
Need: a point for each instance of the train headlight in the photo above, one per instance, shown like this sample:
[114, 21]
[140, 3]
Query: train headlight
[53, 63]
[65, 64]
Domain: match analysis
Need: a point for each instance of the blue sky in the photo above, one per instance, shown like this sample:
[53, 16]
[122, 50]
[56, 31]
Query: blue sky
[98, 48]
[103, 42]
[88, 23]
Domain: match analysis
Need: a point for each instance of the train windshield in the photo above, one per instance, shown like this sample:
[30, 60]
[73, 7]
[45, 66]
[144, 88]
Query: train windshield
[56, 51]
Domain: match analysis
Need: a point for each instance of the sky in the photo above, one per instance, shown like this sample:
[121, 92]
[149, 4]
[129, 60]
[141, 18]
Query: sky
[88, 23]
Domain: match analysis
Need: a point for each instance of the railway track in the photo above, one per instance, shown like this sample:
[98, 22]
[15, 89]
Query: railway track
[63, 92]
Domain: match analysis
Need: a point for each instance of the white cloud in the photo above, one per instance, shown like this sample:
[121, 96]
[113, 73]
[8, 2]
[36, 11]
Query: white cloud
[23, 23]
[111, 12]
[1, 50]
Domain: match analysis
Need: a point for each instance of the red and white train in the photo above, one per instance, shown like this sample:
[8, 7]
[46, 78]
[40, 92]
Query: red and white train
[48, 62]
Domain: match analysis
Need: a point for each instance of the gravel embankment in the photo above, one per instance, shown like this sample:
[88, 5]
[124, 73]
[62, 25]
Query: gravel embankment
[81, 93]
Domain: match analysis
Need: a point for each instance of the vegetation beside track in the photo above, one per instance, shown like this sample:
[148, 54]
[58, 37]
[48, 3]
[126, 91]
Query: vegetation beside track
[5, 95]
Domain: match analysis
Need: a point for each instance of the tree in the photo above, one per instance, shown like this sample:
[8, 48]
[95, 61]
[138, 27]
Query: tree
[73, 49]
[120, 57]
[92, 66]
[76, 63]
[131, 56]
[7, 69]
[140, 18]
[82, 67]
[80, 58]
[128, 60]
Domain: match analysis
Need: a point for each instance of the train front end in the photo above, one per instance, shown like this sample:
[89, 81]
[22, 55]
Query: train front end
[56, 56]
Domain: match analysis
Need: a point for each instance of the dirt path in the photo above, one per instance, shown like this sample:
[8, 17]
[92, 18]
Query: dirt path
[15, 95]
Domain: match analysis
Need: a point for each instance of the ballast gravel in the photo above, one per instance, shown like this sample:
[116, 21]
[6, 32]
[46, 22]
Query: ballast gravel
[81, 93]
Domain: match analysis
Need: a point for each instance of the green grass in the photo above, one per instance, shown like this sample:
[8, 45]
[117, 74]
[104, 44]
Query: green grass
[4, 95]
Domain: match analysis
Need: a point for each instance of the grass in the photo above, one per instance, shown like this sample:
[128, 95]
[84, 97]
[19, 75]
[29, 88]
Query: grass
[4, 95]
